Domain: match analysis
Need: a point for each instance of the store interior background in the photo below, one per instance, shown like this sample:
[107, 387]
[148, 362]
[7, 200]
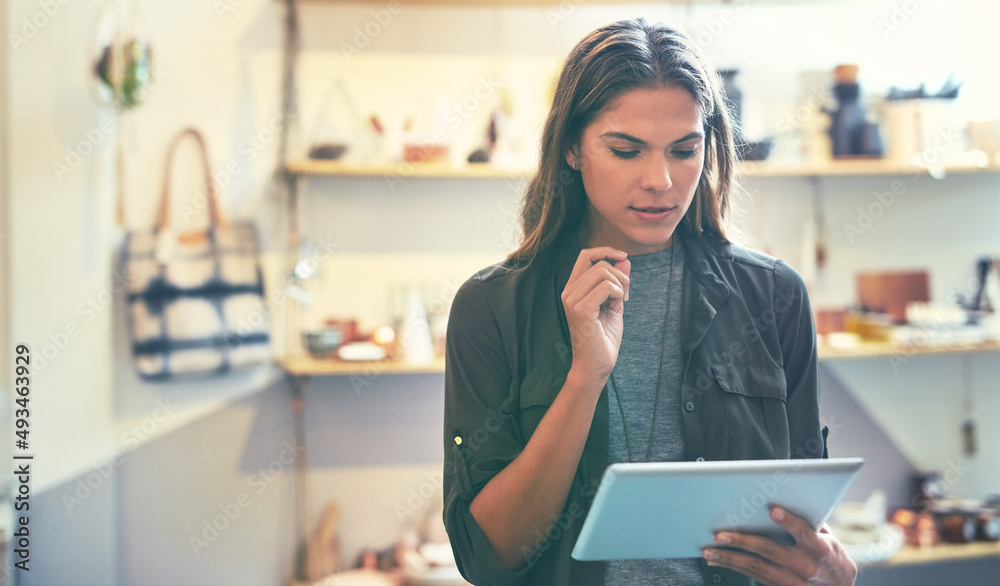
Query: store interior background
[369, 448]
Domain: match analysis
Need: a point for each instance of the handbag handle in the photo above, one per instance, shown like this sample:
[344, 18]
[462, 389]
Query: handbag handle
[163, 216]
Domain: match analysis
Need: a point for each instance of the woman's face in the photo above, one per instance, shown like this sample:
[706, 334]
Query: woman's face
[640, 162]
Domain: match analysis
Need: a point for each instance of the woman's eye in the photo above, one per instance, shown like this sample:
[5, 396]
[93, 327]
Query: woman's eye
[685, 154]
[624, 154]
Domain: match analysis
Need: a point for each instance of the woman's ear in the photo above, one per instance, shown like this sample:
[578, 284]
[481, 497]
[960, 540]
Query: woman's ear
[573, 158]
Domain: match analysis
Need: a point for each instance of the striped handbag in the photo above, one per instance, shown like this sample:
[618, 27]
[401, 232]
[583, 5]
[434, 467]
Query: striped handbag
[194, 300]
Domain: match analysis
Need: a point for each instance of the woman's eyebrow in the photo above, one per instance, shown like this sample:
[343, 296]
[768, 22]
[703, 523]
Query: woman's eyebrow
[639, 141]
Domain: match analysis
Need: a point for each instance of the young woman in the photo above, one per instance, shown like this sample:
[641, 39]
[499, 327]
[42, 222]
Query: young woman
[626, 328]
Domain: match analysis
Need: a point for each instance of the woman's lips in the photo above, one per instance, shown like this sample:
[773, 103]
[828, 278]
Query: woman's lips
[652, 214]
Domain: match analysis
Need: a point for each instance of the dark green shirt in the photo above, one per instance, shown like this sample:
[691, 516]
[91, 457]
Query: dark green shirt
[749, 389]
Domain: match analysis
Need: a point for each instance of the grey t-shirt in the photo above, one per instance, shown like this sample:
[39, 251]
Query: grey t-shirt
[635, 377]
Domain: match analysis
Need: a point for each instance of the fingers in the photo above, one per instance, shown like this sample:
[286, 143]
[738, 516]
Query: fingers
[770, 562]
[816, 557]
[625, 268]
[587, 302]
[605, 291]
[795, 562]
[589, 256]
[754, 566]
[590, 271]
[805, 536]
[588, 281]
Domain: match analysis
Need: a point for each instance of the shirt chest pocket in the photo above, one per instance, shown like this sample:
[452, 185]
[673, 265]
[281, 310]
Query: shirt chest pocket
[753, 399]
[537, 392]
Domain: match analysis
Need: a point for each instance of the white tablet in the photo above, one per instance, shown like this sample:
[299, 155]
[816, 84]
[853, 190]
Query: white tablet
[673, 509]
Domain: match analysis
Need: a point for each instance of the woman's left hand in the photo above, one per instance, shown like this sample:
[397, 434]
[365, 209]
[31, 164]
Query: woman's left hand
[817, 558]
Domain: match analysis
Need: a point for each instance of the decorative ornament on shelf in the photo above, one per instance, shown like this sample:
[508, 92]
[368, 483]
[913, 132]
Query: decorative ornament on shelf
[121, 75]
[415, 340]
[122, 65]
[852, 134]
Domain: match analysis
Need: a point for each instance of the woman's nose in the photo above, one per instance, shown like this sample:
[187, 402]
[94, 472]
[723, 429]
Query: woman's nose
[656, 174]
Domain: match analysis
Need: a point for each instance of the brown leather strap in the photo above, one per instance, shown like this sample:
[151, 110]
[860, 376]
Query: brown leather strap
[163, 217]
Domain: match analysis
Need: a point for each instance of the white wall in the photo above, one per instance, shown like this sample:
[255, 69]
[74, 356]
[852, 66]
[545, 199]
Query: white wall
[64, 241]
[6, 395]
[59, 242]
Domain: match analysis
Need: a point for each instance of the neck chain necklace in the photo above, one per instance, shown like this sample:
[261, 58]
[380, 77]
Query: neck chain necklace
[659, 374]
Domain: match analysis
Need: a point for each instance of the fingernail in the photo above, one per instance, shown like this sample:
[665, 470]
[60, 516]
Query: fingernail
[710, 555]
[777, 514]
[723, 539]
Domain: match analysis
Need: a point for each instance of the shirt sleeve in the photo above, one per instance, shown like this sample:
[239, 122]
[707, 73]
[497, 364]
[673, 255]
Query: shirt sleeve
[480, 438]
[797, 334]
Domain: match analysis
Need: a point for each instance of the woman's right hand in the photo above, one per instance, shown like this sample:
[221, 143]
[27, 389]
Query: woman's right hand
[594, 300]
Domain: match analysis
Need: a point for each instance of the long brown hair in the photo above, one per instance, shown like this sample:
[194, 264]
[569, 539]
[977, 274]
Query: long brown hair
[625, 55]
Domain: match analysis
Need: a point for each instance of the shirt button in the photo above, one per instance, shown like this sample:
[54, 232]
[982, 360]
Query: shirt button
[716, 578]
[458, 440]
[699, 459]
[689, 406]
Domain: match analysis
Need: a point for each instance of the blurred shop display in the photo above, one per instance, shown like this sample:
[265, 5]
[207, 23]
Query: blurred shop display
[889, 293]
[852, 133]
[807, 127]
[340, 339]
[497, 147]
[925, 129]
[485, 153]
[871, 534]
[746, 150]
[832, 119]
[422, 555]
[414, 331]
[417, 148]
[984, 137]
[934, 517]
[322, 548]
[895, 307]
[865, 531]
[419, 311]
[986, 298]
[337, 126]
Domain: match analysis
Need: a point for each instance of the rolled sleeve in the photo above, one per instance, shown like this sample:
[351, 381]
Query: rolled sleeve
[797, 333]
[480, 438]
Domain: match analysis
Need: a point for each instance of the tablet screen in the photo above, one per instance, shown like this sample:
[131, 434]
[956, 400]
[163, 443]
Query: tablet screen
[673, 509]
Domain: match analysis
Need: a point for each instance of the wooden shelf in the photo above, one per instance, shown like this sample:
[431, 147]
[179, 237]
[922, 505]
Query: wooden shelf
[308, 366]
[853, 167]
[503, 3]
[484, 171]
[403, 170]
[882, 350]
[943, 552]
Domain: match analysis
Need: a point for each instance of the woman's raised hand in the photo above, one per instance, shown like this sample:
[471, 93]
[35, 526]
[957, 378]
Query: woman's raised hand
[594, 300]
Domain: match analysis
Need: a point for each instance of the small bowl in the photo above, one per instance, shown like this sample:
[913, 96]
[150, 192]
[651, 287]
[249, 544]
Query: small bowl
[425, 153]
[327, 151]
[322, 343]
